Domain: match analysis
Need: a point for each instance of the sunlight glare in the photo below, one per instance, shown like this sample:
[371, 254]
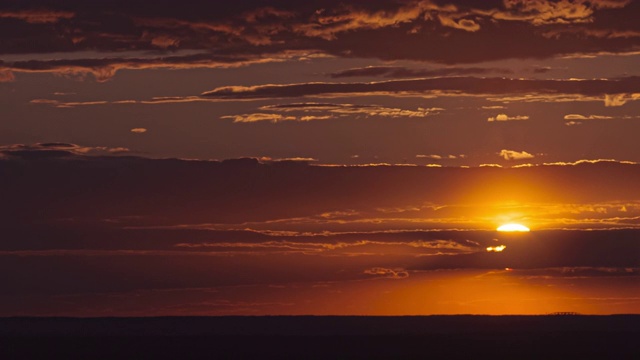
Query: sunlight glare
[513, 227]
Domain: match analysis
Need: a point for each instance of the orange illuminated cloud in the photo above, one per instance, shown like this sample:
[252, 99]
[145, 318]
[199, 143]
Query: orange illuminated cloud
[515, 155]
[505, 117]
[6, 76]
[498, 248]
[387, 273]
[38, 16]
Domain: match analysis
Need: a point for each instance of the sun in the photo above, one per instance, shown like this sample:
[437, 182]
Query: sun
[513, 228]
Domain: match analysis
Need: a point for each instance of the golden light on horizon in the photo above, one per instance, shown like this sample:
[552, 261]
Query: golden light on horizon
[513, 228]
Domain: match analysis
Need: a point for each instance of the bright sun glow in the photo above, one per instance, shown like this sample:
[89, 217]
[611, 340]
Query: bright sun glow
[513, 227]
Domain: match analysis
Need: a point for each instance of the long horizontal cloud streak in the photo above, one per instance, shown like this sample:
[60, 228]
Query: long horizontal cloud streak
[425, 249]
[400, 72]
[459, 85]
[105, 68]
[569, 255]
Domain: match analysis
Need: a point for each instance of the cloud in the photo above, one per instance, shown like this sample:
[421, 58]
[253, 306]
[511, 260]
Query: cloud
[330, 245]
[367, 71]
[583, 117]
[588, 161]
[577, 119]
[301, 160]
[256, 117]
[438, 86]
[545, 98]
[387, 273]
[67, 104]
[329, 23]
[404, 30]
[247, 194]
[258, 37]
[498, 248]
[440, 157]
[435, 157]
[114, 150]
[586, 32]
[349, 109]
[56, 150]
[611, 100]
[505, 117]
[545, 12]
[462, 24]
[404, 72]
[541, 69]
[6, 76]
[279, 246]
[105, 68]
[577, 272]
[138, 130]
[515, 155]
[153, 101]
[37, 16]
[165, 41]
[325, 111]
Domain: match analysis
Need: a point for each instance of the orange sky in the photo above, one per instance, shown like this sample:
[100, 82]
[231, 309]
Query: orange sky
[118, 236]
[325, 157]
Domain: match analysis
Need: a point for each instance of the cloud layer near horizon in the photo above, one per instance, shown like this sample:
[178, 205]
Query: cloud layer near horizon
[244, 237]
[293, 195]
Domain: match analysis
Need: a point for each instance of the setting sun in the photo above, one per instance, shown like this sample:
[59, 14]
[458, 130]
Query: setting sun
[513, 228]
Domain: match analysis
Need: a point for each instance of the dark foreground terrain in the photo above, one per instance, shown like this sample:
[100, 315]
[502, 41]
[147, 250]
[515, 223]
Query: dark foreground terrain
[308, 337]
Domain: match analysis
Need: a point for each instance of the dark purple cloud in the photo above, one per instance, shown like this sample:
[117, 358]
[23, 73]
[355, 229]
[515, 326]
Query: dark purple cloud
[446, 32]
[105, 68]
[404, 72]
[55, 150]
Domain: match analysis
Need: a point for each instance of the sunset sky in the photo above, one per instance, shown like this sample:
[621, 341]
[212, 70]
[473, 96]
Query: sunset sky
[342, 157]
